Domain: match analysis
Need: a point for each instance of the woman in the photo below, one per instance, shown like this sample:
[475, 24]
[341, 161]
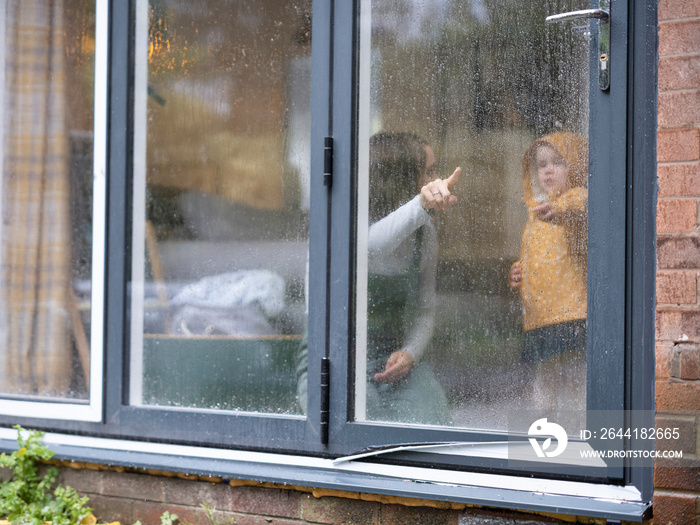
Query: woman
[402, 263]
[402, 255]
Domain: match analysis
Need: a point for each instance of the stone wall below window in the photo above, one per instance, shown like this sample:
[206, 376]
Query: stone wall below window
[126, 496]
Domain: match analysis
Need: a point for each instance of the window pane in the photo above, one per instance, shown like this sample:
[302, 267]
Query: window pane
[221, 203]
[442, 336]
[48, 51]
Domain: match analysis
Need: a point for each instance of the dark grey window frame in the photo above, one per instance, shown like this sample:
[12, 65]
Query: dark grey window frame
[331, 290]
[620, 330]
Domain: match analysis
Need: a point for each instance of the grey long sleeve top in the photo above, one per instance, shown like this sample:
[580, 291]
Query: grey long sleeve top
[390, 252]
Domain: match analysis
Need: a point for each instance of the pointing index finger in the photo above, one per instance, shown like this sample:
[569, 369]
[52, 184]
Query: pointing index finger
[452, 179]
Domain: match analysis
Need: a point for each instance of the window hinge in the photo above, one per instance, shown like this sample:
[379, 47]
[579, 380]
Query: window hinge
[325, 398]
[328, 161]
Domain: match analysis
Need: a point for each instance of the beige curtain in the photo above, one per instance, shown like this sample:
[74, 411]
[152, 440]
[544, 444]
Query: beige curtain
[36, 344]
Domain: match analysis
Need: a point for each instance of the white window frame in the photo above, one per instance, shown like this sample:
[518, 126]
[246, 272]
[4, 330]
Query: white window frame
[138, 241]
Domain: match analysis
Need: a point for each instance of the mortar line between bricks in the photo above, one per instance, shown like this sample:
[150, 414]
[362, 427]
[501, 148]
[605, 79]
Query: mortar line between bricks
[679, 198]
[678, 381]
[676, 20]
[676, 492]
[678, 162]
[670, 163]
[667, 307]
[677, 235]
[674, 91]
[663, 129]
[682, 308]
[690, 125]
[676, 415]
[688, 54]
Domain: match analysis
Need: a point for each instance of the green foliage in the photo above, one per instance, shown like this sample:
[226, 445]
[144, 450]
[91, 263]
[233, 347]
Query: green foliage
[209, 512]
[168, 519]
[26, 497]
[165, 519]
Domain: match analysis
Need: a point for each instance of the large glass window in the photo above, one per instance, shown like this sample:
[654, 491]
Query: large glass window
[221, 202]
[50, 190]
[471, 296]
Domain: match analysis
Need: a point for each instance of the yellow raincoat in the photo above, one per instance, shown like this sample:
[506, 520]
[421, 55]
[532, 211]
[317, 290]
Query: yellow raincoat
[553, 253]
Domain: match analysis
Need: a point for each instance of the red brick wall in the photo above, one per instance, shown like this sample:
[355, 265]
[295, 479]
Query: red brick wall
[130, 496]
[677, 492]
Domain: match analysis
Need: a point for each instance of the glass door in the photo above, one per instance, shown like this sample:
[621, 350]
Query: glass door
[475, 271]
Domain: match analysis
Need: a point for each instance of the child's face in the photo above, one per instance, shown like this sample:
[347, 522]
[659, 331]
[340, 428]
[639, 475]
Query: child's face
[551, 169]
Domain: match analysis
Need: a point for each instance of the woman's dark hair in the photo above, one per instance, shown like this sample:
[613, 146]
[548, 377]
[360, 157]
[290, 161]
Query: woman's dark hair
[396, 162]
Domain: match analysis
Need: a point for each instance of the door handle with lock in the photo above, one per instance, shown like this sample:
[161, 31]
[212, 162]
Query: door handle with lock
[603, 17]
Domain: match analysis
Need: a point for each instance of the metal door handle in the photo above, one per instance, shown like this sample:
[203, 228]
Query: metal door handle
[603, 17]
[576, 15]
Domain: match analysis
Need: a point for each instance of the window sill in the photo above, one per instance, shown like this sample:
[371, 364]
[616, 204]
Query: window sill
[489, 490]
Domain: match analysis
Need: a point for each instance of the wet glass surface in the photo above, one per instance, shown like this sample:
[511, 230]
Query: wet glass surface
[221, 201]
[478, 82]
[46, 197]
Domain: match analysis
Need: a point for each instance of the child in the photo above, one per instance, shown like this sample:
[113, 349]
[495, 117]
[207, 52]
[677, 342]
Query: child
[551, 272]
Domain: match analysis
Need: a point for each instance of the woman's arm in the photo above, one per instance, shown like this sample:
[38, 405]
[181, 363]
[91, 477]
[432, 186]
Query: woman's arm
[387, 234]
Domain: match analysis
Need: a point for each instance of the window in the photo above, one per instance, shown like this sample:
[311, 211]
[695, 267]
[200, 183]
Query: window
[266, 252]
[478, 92]
[53, 206]
[220, 204]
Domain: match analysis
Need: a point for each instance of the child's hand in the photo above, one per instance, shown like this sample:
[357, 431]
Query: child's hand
[544, 212]
[515, 276]
[437, 194]
[397, 367]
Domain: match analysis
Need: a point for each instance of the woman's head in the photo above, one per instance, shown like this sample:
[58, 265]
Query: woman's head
[399, 165]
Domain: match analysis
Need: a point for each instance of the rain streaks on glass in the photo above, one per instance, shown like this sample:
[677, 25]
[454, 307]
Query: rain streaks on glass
[221, 201]
[46, 198]
[468, 313]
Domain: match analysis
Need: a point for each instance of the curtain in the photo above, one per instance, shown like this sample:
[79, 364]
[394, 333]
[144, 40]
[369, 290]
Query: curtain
[35, 280]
